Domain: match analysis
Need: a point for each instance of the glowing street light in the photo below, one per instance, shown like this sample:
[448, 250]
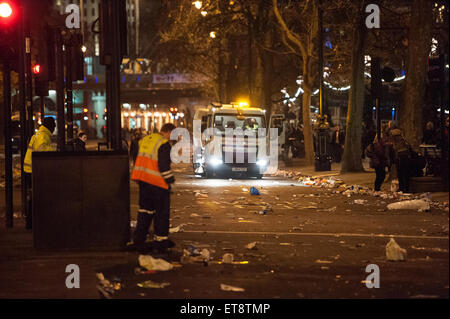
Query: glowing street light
[212, 34]
[197, 4]
[5, 10]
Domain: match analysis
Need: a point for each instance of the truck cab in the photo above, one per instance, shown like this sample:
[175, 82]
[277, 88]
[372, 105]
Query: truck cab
[219, 154]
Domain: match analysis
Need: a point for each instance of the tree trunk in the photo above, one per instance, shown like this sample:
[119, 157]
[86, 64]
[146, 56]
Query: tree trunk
[351, 159]
[419, 41]
[307, 129]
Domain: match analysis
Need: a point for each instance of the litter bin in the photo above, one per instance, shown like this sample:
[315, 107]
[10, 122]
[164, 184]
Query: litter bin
[81, 201]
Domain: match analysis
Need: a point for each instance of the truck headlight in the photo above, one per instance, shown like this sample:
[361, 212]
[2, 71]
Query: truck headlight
[214, 161]
[261, 162]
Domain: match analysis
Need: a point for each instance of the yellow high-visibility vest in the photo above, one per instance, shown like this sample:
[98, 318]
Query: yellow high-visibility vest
[146, 166]
[41, 141]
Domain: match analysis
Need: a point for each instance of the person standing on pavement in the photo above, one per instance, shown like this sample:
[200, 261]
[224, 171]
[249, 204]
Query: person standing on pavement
[377, 152]
[40, 142]
[134, 145]
[402, 154]
[429, 134]
[79, 145]
[155, 178]
[337, 143]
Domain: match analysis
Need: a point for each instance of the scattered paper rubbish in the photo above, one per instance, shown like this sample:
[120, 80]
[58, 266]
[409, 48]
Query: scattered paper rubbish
[194, 215]
[227, 258]
[360, 201]
[417, 204]
[245, 190]
[143, 271]
[394, 252]
[205, 254]
[177, 229]
[225, 287]
[150, 263]
[318, 261]
[106, 287]
[251, 245]
[254, 191]
[151, 284]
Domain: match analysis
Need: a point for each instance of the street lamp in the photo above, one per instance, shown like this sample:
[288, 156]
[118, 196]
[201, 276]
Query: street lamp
[197, 4]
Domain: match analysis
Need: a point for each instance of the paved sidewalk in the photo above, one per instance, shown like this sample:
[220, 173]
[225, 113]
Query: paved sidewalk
[366, 178]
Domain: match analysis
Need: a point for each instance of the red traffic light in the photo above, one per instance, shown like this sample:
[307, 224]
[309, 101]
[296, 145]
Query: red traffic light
[37, 69]
[6, 10]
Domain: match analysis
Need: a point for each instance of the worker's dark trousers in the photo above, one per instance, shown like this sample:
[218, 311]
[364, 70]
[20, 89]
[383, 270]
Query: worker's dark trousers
[154, 203]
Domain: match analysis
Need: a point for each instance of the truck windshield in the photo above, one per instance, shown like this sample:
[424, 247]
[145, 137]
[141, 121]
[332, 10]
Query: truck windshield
[251, 122]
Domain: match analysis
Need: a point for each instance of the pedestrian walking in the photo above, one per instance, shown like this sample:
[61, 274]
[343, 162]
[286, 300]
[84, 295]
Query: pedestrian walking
[377, 152]
[40, 142]
[402, 154]
[155, 178]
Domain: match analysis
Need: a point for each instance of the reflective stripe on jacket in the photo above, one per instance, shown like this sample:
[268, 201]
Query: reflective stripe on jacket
[146, 166]
[41, 141]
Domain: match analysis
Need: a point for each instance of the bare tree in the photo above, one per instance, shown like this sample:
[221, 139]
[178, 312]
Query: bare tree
[302, 42]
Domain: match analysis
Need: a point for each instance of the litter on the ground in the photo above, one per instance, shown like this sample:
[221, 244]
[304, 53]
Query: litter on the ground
[227, 258]
[251, 245]
[225, 287]
[416, 204]
[107, 288]
[254, 191]
[151, 284]
[394, 252]
[177, 229]
[318, 261]
[150, 263]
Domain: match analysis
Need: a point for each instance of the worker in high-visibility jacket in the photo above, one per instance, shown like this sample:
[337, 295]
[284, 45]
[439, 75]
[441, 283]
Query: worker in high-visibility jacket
[40, 142]
[154, 176]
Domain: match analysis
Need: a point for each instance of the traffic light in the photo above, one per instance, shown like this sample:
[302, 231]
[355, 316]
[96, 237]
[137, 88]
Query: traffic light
[40, 84]
[9, 31]
[85, 113]
[173, 111]
[36, 69]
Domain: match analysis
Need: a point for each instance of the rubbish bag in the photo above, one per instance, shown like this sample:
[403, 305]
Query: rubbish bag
[254, 191]
[150, 263]
[394, 252]
[418, 204]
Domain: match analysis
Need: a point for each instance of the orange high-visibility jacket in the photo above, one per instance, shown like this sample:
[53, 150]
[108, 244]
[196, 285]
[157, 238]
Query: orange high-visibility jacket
[146, 167]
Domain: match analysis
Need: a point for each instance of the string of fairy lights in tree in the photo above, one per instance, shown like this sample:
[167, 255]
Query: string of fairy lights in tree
[300, 91]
